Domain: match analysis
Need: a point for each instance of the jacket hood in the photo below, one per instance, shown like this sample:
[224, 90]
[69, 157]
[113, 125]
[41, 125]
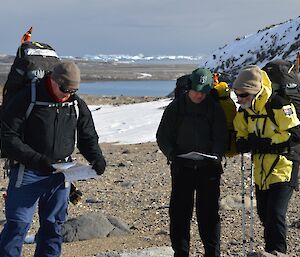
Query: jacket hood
[263, 95]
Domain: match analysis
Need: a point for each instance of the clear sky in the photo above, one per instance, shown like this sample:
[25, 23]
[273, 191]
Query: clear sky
[152, 27]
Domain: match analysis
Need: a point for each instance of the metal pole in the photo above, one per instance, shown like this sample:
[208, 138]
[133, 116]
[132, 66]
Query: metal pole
[243, 204]
[251, 206]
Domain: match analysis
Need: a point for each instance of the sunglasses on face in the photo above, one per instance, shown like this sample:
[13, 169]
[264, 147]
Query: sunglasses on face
[67, 90]
[243, 95]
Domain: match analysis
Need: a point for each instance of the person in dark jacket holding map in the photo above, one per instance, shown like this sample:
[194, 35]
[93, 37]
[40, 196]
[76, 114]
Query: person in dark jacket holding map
[34, 135]
[194, 122]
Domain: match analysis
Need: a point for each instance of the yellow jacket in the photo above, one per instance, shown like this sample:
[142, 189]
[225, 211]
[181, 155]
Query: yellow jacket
[268, 168]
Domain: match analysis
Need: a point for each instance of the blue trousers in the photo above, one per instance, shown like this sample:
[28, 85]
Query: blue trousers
[51, 196]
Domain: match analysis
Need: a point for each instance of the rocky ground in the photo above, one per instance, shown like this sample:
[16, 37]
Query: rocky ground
[136, 188]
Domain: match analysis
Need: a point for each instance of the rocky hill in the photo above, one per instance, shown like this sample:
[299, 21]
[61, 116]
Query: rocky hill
[275, 41]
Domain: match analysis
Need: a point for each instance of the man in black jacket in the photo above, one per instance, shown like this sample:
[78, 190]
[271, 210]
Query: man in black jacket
[35, 134]
[194, 122]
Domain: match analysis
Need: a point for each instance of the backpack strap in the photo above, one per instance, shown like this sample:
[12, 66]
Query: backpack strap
[33, 97]
[49, 104]
[270, 171]
[181, 108]
[269, 114]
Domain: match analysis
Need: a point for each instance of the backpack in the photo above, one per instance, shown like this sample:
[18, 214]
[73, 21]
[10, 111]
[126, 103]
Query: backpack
[183, 84]
[33, 61]
[220, 93]
[285, 83]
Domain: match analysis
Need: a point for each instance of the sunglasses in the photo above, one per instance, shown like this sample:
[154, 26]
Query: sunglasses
[67, 90]
[243, 95]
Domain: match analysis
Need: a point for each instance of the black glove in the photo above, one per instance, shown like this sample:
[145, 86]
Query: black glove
[99, 166]
[281, 148]
[259, 145]
[45, 166]
[242, 145]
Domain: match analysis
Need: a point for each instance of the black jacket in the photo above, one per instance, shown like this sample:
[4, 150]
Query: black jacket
[186, 126]
[48, 131]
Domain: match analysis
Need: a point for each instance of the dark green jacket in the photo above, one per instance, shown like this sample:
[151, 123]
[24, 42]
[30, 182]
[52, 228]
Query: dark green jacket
[186, 126]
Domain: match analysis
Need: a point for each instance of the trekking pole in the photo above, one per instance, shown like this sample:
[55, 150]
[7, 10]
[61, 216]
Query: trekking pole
[251, 205]
[243, 205]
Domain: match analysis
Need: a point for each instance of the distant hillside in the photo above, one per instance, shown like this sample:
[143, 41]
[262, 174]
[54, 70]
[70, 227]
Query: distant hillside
[276, 41]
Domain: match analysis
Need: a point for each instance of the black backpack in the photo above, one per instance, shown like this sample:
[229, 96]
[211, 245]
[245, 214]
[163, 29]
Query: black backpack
[33, 61]
[183, 84]
[284, 80]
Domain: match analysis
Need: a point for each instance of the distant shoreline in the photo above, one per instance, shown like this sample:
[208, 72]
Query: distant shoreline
[92, 71]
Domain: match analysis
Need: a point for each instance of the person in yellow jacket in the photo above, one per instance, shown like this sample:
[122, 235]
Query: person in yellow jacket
[267, 125]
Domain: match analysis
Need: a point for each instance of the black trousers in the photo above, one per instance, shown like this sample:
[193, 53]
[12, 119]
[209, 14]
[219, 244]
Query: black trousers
[205, 183]
[272, 205]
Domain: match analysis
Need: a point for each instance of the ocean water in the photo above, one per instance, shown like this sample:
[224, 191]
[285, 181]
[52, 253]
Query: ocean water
[128, 88]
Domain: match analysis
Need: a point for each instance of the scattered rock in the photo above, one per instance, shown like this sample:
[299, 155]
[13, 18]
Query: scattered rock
[92, 200]
[232, 202]
[295, 224]
[127, 183]
[265, 254]
[121, 164]
[2, 218]
[110, 254]
[91, 226]
[150, 252]
[119, 224]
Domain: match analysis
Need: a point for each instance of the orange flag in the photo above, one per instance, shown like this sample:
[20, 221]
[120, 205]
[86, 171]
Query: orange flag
[216, 76]
[26, 36]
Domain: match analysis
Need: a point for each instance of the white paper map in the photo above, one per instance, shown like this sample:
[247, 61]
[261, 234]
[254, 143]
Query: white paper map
[196, 156]
[74, 171]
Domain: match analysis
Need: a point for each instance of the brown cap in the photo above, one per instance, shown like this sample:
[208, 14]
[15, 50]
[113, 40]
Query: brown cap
[249, 80]
[66, 74]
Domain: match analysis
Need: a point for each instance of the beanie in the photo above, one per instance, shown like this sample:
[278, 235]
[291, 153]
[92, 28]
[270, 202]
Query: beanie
[202, 80]
[249, 80]
[66, 74]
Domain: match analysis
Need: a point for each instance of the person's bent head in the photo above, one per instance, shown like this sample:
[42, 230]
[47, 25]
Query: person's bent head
[201, 82]
[65, 79]
[247, 85]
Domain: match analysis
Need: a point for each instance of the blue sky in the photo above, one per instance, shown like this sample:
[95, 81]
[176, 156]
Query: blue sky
[152, 27]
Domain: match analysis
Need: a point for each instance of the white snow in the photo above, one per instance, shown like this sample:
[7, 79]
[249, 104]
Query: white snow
[132, 123]
[128, 124]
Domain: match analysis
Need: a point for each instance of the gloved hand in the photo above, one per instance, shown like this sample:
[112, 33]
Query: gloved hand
[259, 145]
[242, 145]
[99, 165]
[45, 166]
